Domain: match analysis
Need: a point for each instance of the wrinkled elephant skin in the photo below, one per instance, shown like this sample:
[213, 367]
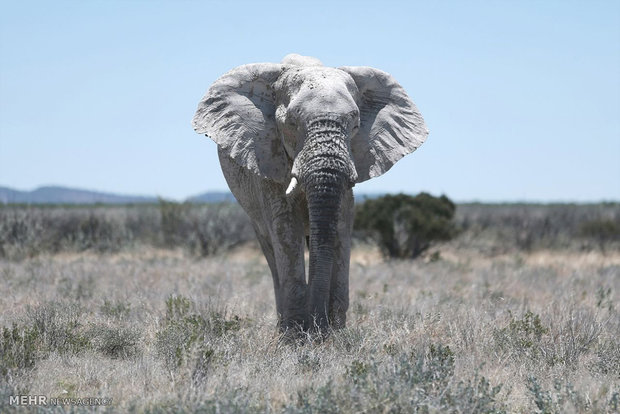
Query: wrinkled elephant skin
[293, 139]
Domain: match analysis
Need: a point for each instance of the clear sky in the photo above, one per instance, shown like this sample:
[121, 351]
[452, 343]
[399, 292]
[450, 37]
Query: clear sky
[522, 99]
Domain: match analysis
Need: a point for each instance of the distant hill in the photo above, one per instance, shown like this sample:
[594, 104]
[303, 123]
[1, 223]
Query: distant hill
[64, 195]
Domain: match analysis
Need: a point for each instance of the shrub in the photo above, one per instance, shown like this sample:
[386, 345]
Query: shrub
[602, 231]
[499, 228]
[202, 229]
[187, 331]
[51, 327]
[405, 226]
[115, 342]
[60, 327]
[219, 228]
[421, 380]
[174, 223]
[116, 310]
[565, 398]
[18, 348]
[522, 336]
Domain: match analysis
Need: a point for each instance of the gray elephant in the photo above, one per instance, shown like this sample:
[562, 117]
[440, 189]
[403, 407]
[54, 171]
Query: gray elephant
[293, 139]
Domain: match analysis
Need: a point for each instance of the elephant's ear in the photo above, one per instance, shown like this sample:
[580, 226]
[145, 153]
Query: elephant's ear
[238, 113]
[390, 124]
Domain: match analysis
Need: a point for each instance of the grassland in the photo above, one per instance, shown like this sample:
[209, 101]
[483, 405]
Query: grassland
[514, 315]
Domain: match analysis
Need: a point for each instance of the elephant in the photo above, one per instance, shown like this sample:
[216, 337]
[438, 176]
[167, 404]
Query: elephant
[293, 139]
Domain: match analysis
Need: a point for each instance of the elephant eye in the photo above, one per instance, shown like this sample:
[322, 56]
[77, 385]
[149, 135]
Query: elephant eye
[355, 120]
[354, 116]
[291, 123]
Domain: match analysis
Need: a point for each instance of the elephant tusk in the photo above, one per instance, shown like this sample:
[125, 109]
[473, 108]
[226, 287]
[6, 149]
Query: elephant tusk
[292, 187]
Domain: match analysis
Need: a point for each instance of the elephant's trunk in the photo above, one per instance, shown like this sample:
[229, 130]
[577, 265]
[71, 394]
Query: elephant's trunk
[325, 171]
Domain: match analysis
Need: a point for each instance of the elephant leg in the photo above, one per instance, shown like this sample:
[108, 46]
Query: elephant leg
[287, 236]
[256, 196]
[267, 249]
[339, 289]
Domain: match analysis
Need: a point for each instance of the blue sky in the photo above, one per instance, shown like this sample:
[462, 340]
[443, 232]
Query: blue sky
[522, 99]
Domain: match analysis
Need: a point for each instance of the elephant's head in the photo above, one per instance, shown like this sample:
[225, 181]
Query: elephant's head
[314, 129]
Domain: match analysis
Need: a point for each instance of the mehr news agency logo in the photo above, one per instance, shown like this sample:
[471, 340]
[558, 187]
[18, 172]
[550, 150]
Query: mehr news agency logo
[42, 400]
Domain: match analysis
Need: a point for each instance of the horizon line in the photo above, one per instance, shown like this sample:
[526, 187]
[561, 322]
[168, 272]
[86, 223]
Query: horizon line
[368, 193]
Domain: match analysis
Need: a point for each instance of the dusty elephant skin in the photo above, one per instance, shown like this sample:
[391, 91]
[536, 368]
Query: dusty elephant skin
[293, 139]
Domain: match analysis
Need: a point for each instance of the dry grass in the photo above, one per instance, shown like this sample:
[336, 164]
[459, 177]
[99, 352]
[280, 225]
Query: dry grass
[162, 331]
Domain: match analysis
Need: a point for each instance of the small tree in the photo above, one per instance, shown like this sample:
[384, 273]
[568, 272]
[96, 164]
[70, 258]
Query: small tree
[405, 226]
[174, 222]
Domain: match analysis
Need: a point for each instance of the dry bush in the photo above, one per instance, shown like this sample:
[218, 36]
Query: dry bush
[27, 231]
[500, 228]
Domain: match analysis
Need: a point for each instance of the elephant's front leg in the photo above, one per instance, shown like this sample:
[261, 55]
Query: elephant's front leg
[267, 248]
[339, 289]
[287, 236]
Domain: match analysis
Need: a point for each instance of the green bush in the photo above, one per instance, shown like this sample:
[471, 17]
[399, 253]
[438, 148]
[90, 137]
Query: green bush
[174, 223]
[186, 331]
[60, 328]
[522, 337]
[405, 226]
[602, 231]
[421, 380]
[18, 348]
[565, 398]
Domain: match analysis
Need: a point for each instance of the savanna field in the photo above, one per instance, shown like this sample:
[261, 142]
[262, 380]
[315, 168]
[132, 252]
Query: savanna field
[170, 308]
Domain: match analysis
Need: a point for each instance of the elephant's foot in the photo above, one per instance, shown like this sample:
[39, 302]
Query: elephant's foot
[317, 327]
[338, 319]
[291, 328]
[293, 335]
[296, 329]
[298, 333]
